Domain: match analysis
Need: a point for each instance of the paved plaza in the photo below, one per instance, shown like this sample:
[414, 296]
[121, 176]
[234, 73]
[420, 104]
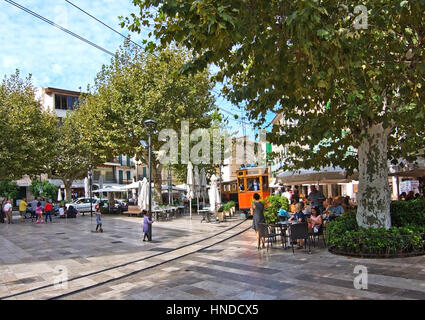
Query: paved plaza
[187, 260]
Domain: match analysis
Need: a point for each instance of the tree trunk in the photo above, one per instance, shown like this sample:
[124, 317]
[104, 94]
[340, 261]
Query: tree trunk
[68, 184]
[157, 179]
[374, 196]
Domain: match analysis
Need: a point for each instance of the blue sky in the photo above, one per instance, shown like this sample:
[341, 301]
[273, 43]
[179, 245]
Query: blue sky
[56, 59]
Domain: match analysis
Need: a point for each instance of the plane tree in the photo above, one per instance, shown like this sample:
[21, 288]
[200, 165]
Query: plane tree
[349, 80]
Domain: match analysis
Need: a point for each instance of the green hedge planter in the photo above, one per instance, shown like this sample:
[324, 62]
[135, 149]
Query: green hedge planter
[405, 238]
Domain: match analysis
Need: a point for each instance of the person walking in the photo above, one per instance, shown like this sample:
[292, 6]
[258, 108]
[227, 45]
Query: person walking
[39, 213]
[257, 212]
[8, 211]
[23, 208]
[146, 223]
[48, 210]
[2, 213]
[33, 205]
[98, 220]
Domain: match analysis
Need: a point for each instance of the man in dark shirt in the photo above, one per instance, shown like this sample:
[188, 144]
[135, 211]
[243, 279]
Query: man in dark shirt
[316, 198]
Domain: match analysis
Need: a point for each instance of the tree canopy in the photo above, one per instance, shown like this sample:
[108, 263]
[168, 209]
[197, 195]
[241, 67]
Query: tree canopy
[138, 86]
[25, 130]
[73, 152]
[297, 56]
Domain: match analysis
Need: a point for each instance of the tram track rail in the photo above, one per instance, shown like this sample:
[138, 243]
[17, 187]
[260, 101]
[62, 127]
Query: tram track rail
[132, 263]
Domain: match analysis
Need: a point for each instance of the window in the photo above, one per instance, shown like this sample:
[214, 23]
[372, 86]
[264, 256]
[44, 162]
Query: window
[128, 175]
[253, 184]
[65, 102]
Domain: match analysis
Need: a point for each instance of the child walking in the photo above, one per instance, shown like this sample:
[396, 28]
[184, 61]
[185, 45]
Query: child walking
[98, 220]
[39, 212]
[146, 223]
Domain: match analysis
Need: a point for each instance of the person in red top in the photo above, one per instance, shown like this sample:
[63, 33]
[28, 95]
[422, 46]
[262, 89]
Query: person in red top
[48, 211]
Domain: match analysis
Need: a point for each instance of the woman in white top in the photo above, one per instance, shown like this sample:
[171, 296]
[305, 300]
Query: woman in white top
[61, 212]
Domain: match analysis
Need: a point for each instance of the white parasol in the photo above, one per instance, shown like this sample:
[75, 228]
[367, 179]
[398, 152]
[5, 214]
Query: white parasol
[86, 187]
[203, 184]
[196, 184]
[139, 195]
[145, 194]
[59, 195]
[214, 195]
[190, 186]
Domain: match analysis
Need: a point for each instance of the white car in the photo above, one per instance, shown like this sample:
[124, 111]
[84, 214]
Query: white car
[83, 204]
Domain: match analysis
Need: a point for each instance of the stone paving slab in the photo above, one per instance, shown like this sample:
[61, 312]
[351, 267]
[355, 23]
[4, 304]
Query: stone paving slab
[235, 270]
[231, 270]
[37, 250]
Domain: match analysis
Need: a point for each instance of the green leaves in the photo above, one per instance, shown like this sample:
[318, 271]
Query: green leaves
[26, 130]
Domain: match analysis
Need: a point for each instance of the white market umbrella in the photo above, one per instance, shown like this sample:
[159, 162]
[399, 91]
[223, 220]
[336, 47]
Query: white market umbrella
[196, 184]
[139, 195]
[59, 195]
[214, 195]
[203, 184]
[145, 195]
[86, 187]
[190, 186]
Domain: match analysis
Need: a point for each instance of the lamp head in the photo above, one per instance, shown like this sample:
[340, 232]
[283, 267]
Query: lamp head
[150, 124]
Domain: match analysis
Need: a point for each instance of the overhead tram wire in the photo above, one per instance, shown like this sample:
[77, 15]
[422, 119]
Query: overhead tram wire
[92, 43]
[60, 27]
[106, 25]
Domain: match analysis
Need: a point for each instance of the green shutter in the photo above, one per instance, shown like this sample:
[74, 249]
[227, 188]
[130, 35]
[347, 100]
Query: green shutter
[121, 177]
[128, 175]
[120, 160]
[144, 172]
[128, 161]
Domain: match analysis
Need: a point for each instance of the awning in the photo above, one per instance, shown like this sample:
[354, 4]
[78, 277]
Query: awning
[413, 170]
[326, 175]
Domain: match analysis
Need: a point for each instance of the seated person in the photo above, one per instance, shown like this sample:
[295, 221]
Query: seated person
[299, 214]
[292, 206]
[61, 212]
[299, 217]
[72, 212]
[315, 221]
[336, 209]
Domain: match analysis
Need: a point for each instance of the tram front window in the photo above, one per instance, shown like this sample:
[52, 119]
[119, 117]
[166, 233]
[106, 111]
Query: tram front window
[253, 184]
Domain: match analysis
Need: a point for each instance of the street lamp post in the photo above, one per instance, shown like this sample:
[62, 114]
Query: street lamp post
[150, 126]
[91, 183]
[170, 186]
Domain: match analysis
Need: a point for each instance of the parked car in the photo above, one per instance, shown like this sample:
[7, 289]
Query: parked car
[83, 204]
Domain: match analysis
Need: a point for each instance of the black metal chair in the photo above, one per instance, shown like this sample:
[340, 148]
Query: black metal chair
[317, 235]
[267, 232]
[299, 231]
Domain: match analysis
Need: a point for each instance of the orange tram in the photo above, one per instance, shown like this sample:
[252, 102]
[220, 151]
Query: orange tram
[250, 180]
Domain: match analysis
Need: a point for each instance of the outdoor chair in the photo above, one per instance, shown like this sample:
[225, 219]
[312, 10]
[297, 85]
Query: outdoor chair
[267, 232]
[299, 231]
[317, 235]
